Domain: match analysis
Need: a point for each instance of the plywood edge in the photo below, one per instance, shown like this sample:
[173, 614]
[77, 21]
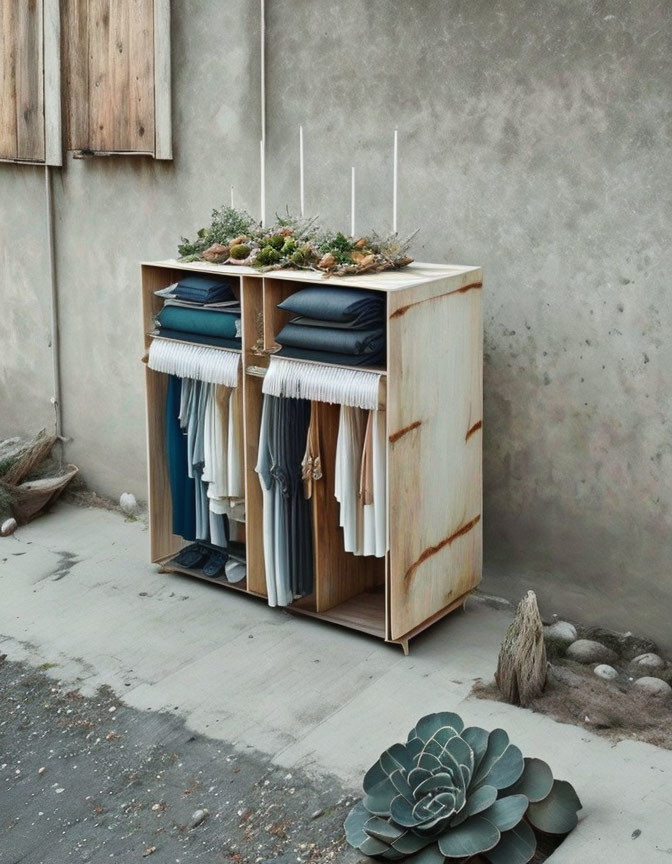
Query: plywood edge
[417, 275]
[163, 139]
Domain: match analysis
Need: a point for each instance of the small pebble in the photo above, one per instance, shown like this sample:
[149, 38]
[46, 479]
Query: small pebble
[128, 503]
[197, 817]
[8, 527]
[649, 661]
[605, 671]
[317, 814]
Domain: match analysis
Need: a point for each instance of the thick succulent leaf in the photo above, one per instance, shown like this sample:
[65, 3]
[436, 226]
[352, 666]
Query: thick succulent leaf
[507, 812]
[354, 825]
[430, 855]
[436, 781]
[371, 846]
[471, 837]
[516, 847]
[402, 786]
[477, 739]
[398, 756]
[417, 775]
[504, 771]
[498, 741]
[429, 763]
[557, 813]
[477, 801]
[402, 812]
[428, 725]
[378, 799]
[383, 830]
[410, 842]
[413, 749]
[442, 736]
[535, 782]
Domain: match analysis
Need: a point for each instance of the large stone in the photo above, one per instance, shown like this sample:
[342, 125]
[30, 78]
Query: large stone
[561, 632]
[653, 686]
[648, 662]
[605, 671]
[627, 645]
[588, 651]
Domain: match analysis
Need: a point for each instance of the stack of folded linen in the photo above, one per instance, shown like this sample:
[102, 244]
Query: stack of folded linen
[338, 325]
[200, 309]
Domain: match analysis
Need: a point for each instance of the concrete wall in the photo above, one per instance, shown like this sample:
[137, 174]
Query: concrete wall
[534, 140]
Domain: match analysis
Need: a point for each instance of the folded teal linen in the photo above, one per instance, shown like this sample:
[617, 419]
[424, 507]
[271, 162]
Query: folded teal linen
[205, 322]
[358, 307]
[339, 341]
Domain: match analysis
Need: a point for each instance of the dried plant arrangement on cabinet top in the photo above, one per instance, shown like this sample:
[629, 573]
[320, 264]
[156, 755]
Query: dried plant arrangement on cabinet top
[234, 237]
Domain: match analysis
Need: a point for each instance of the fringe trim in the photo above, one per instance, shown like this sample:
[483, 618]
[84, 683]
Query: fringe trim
[296, 380]
[194, 361]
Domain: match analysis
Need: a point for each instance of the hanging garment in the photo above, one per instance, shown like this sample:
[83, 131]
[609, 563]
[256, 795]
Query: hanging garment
[181, 485]
[361, 481]
[311, 465]
[263, 469]
[287, 525]
[347, 477]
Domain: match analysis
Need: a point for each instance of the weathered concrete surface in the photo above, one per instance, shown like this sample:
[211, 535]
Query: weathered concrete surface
[76, 593]
[534, 140]
[87, 778]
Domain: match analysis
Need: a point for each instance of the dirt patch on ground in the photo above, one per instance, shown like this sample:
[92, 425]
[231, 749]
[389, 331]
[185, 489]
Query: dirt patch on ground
[574, 694]
[90, 780]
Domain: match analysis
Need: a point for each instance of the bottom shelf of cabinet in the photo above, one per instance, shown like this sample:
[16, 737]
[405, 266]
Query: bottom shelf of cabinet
[365, 612]
[198, 574]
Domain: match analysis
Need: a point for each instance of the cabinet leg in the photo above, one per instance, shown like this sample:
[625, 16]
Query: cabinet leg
[404, 647]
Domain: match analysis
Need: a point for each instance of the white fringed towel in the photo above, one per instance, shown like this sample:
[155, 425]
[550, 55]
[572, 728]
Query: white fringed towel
[194, 361]
[297, 380]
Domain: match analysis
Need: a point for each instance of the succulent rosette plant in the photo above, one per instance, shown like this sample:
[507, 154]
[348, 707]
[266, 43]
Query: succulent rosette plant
[450, 794]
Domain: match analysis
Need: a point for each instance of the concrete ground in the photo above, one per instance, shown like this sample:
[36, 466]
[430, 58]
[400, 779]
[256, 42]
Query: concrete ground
[79, 600]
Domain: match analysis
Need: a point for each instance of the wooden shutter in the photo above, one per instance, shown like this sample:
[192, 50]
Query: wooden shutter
[116, 69]
[30, 124]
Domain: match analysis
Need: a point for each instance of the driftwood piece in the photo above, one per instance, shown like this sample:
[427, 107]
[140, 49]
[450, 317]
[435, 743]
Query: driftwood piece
[522, 668]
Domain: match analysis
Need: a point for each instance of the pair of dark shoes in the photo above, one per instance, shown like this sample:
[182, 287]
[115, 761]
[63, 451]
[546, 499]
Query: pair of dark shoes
[211, 560]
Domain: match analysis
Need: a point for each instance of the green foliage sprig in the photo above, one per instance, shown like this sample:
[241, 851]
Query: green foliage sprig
[291, 242]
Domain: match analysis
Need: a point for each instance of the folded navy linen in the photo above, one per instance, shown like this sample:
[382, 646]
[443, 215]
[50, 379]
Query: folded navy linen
[337, 341]
[206, 322]
[204, 289]
[334, 358]
[199, 339]
[343, 305]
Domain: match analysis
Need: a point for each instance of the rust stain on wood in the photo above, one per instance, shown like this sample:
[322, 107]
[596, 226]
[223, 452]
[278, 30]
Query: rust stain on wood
[432, 550]
[402, 310]
[473, 429]
[395, 436]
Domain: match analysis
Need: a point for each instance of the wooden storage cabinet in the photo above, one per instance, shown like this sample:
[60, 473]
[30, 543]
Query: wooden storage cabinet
[432, 391]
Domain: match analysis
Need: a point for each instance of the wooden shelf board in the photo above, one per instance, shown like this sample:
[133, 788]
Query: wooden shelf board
[197, 574]
[390, 280]
[365, 612]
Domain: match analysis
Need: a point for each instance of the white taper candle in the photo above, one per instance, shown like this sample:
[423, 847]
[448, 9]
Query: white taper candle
[394, 182]
[352, 203]
[301, 170]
